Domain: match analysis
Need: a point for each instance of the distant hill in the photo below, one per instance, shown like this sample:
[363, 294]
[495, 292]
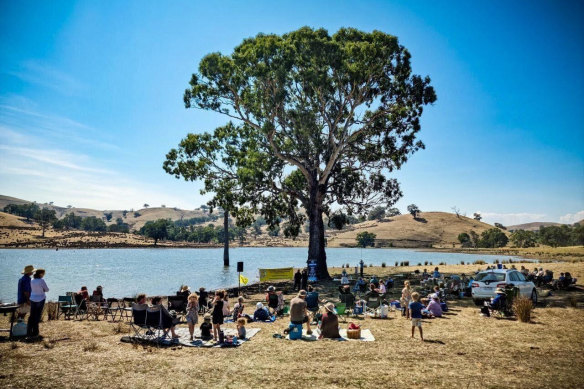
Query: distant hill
[135, 222]
[430, 229]
[531, 226]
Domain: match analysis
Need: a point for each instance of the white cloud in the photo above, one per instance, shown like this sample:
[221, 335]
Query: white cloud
[509, 219]
[572, 218]
[43, 74]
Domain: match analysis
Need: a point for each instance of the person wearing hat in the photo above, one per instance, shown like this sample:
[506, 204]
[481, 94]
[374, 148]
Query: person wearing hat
[329, 326]
[38, 288]
[499, 302]
[184, 291]
[24, 291]
[299, 311]
[261, 313]
[272, 299]
[206, 327]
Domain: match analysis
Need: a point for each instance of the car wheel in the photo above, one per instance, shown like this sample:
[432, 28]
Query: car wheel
[478, 302]
[534, 297]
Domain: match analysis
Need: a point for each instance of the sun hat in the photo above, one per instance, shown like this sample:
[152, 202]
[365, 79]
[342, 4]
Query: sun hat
[28, 269]
[271, 288]
[259, 305]
[330, 307]
[302, 293]
[184, 287]
[499, 290]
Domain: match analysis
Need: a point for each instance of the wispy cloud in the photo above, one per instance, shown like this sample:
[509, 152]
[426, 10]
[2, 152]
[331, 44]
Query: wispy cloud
[45, 75]
[571, 218]
[509, 219]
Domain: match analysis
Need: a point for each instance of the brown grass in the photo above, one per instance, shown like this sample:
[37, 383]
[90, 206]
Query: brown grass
[522, 306]
[462, 349]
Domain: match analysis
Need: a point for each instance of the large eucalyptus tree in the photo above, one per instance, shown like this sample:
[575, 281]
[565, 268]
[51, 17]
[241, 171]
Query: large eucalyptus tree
[317, 121]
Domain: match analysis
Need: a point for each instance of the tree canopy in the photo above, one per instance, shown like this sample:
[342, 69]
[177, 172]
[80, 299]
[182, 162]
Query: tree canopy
[365, 239]
[318, 120]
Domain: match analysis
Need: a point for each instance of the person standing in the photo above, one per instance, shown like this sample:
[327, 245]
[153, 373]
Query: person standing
[23, 298]
[304, 280]
[297, 280]
[38, 288]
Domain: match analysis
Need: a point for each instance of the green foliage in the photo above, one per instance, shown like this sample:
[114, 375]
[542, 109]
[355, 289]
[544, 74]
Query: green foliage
[376, 213]
[477, 216]
[414, 210]
[23, 210]
[321, 119]
[157, 230]
[94, 224]
[556, 236]
[464, 239]
[274, 230]
[338, 220]
[196, 220]
[523, 238]
[499, 225]
[108, 216]
[475, 239]
[393, 212]
[493, 238]
[120, 226]
[45, 217]
[365, 239]
[137, 214]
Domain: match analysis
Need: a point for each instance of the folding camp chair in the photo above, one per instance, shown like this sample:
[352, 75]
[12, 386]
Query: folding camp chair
[81, 310]
[96, 307]
[341, 310]
[126, 308]
[114, 309]
[349, 301]
[179, 305]
[66, 306]
[156, 322]
[373, 302]
[138, 323]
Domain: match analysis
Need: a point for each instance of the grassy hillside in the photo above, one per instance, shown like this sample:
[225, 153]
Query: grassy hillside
[531, 226]
[430, 229]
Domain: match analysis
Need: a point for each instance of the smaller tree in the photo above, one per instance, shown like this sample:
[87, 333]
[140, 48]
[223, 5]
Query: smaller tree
[156, 230]
[393, 212]
[493, 238]
[108, 216]
[45, 217]
[499, 225]
[456, 211]
[146, 205]
[377, 213]
[523, 238]
[338, 220]
[464, 239]
[477, 216]
[475, 239]
[414, 210]
[365, 239]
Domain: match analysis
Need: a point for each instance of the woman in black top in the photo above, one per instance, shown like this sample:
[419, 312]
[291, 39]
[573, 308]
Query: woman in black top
[217, 313]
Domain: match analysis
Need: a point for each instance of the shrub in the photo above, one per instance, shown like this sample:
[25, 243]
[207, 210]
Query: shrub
[370, 265]
[522, 307]
[396, 264]
[496, 261]
[431, 264]
[407, 263]
[479, 262]
[347, 265]
[342, 266]
[462, 262]
[419, 263]
[442, 264]
[383, 264]
[425, 263]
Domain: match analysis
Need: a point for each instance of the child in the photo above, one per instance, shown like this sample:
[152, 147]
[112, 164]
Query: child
[241, 328]
[206, 327]
[226, 310]
[192, 312]
[415, 309]
[407, 298]
[217, 313]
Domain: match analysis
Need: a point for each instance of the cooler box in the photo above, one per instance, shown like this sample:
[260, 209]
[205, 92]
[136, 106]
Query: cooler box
[444, 307]
[295, 331]
[396, 304]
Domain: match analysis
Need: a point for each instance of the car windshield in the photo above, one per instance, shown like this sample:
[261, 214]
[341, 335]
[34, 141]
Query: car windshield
[483, 277]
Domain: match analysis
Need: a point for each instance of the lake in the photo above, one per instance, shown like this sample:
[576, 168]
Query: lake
[126, 272]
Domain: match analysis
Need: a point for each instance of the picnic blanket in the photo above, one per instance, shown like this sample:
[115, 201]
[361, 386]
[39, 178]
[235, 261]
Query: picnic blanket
[185, 338]
[366, 336]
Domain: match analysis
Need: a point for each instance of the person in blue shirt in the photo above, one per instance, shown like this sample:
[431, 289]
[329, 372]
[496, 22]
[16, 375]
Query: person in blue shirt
[312, 299]
[261, 313]
[416, 314]
[436, 273]
[24, 289]
[499, 301]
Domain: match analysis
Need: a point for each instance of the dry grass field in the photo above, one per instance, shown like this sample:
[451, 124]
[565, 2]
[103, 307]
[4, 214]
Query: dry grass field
[463, 349]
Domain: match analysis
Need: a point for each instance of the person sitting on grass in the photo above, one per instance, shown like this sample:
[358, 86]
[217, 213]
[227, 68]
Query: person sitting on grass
[436, 274]
[415, 309]
[299, 312]
[167, 320]
[203, 299]
[329, 326]
[272, 299]
[373, 291]
[433, 309]
[425, 274]
[97, 294]
[241, 333]
[192, 313]
[261, 313]
[381, 289]
[206, 327]
[312, 299]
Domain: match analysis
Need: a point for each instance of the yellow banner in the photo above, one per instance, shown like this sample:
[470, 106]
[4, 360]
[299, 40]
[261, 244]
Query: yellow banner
[285, 273]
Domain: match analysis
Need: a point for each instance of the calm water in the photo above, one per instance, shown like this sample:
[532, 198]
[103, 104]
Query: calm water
[126, 272]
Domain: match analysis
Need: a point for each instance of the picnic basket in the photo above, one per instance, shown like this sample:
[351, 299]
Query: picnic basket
[354, 334]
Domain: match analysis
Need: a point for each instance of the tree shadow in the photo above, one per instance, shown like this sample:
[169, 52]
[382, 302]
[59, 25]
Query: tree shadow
[433, 341]
[420, 220]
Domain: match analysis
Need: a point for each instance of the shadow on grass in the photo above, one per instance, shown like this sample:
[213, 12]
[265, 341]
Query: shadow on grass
[433, 341]
[420, 220]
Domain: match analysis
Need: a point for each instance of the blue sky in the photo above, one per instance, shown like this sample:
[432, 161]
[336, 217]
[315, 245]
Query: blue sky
[91, 98]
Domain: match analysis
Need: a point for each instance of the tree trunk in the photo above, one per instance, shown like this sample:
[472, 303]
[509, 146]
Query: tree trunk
[316, 234]
[225, 238]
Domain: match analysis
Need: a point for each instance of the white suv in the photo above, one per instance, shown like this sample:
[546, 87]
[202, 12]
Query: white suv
[486, 282]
